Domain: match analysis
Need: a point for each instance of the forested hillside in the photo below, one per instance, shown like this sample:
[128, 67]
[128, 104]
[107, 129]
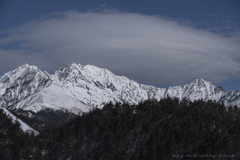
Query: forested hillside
[150, 130]
[14, 142]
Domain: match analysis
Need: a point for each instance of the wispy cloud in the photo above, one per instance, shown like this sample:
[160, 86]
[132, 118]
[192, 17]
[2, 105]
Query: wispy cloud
[227, 25]
[221, 16]
[148, 49]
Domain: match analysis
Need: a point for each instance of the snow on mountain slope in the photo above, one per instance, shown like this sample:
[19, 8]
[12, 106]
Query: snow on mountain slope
[198, 88]
[52, 97]
[92, 82]
[95, 86]
[22, 82]
[24, 126]
[231, 98]
[77, 88]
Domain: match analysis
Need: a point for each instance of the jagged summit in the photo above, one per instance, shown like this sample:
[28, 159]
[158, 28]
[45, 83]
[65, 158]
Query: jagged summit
[72, 65]
[199, 80]
[77, 88]
[24, 65]
[28, 67]
[22, 82]
[196, 79]
[221, 88]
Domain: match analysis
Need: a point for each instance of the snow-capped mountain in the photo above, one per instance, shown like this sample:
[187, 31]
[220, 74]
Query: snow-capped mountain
[77, 88]
[22, 82]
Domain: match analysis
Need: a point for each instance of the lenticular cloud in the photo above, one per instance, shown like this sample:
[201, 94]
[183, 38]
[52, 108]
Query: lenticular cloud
[148, 49]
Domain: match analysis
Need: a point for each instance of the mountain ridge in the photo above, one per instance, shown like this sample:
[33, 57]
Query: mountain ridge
[77, 88]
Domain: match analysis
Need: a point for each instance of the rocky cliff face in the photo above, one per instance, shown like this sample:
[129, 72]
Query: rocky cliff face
[76, 88]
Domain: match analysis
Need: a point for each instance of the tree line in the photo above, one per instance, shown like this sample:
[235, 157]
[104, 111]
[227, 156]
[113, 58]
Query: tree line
[152, 129]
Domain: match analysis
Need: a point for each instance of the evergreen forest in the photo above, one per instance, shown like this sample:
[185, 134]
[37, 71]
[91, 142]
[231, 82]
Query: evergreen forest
[165, 130]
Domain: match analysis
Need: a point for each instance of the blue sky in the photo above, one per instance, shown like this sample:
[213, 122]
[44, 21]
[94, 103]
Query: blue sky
[158, 42]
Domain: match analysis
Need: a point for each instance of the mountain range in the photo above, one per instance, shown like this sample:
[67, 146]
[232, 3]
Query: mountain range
[76, 89]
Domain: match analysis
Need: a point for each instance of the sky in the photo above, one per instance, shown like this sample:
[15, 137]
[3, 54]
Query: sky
[156, 42]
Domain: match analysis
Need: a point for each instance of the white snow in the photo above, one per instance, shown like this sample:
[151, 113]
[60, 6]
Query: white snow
[76, 88]
[23, 126]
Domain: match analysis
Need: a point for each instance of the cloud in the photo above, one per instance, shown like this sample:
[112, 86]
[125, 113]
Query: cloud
[149, 49]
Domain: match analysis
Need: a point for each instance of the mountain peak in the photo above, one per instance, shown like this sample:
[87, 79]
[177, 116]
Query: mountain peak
[197, 79]
[19, 72]
[221, 88]
[27, 67]
[75, 86]
[24, 65]
[71, 66]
